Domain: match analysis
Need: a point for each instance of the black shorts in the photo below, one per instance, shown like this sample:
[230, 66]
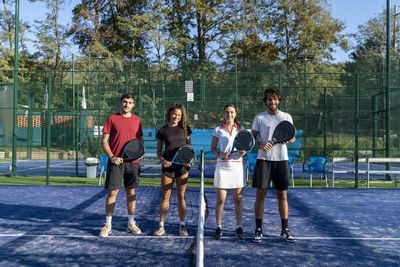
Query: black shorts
[129, 172]
[175, 170]
[277, 171]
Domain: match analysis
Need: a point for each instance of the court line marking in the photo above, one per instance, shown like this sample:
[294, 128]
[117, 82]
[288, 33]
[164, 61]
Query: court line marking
[206, 237]
[95, 236]
[44, 167]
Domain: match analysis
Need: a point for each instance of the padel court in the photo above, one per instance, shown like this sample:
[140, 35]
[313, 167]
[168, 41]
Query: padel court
[59, 226]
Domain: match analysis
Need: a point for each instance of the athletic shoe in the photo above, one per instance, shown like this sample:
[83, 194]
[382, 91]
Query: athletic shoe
[258, 235]
[133, 228]
[106, 230]
[160, 231]
[239, 233]
[182, 230]
[218, 233]
[287, 236]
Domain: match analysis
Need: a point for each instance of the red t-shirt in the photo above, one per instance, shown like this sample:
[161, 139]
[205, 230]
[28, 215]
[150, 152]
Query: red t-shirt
[122, 130]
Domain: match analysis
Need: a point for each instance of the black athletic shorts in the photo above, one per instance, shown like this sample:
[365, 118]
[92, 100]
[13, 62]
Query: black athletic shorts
[175, 170]
[277, 171]
[128, 172]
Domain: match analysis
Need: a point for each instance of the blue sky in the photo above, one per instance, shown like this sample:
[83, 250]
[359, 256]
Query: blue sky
[353, 12]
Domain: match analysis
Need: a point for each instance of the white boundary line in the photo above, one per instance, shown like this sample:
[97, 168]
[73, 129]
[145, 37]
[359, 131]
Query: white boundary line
[209, 237]
[94, 236]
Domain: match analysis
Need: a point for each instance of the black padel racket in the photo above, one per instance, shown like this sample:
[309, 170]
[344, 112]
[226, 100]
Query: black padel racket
[283, 132]
[134, 149]
[184, 155]
[244, 140]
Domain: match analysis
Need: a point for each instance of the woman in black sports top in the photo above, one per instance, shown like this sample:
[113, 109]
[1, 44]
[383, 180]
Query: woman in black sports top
[172, 136]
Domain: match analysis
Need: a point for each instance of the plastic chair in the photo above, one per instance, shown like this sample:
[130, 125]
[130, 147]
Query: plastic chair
[291, 169]
[250, 164]
[317, 164]
[103, 171]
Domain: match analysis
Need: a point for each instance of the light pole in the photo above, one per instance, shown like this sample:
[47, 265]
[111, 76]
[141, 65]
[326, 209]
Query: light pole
[304, 59]
[100, 59]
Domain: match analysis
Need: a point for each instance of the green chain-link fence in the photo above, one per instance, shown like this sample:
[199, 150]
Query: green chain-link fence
[341, 114]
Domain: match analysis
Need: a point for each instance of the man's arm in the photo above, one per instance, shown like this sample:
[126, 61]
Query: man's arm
[260, 145]
[107, 149]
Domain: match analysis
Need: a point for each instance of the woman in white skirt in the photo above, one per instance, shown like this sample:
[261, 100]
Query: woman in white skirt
[229, 170]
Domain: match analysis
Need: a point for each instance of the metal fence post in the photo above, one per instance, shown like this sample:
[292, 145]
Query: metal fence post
[357, 124]
[48, 127]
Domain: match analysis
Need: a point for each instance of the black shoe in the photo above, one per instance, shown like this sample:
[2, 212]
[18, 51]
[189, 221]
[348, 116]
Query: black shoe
[218, 233]
[287, 236]
[239, 233]
[258, 235]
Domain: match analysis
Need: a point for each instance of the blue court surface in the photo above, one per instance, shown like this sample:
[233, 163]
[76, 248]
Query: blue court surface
[59, 226]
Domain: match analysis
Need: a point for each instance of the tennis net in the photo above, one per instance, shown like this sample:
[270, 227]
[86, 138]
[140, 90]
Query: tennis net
[197, 248]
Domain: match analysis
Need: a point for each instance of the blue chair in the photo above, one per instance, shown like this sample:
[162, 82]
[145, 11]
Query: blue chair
[294, 149]
[291, 169]
[103, 170]
[317, 164]
[250, 164]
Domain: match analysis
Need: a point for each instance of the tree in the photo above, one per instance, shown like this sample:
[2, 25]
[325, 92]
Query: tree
[50, 33]
[86, 23]
[370, 48]
[7, 27]
[178, 27]
[301, 27]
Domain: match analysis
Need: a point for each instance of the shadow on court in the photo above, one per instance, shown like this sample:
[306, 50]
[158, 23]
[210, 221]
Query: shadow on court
[50, 226]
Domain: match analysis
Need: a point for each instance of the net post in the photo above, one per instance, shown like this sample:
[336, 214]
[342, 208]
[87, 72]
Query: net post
[200, 229]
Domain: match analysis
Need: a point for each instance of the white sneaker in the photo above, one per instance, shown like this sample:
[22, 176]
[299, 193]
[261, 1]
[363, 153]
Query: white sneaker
[258, 235]
[133, 228]
[287, 235]
[160, 231]
[106, 230]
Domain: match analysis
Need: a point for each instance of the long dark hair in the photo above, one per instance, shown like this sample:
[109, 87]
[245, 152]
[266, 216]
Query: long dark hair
[183, 122]
[233, 106]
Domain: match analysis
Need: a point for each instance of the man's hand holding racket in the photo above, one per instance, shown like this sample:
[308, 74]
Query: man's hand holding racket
[283, 134]
[116, 160]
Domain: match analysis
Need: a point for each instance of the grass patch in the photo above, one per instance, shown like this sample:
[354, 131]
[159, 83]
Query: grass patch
[83, 181]
[192, 182]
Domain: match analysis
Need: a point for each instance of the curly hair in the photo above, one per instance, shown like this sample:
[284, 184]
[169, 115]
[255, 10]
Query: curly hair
[272, 91]
[183, 122]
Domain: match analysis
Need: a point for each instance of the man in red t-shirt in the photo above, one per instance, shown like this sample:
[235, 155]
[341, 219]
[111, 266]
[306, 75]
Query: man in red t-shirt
[119, 129]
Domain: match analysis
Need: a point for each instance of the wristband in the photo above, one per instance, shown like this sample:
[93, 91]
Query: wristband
[112, 157]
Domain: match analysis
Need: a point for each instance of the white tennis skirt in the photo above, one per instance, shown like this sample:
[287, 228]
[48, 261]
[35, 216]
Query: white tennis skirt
[229, 174]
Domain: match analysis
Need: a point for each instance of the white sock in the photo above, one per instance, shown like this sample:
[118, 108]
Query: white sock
[108, 219]
[131, 218]
[182, 222]
[219, 226]
[239, 226]
[162, 224]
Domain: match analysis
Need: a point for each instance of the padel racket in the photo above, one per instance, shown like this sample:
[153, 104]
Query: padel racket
[244, 140]
[134, 149]
[283, 132]
[184, 155]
